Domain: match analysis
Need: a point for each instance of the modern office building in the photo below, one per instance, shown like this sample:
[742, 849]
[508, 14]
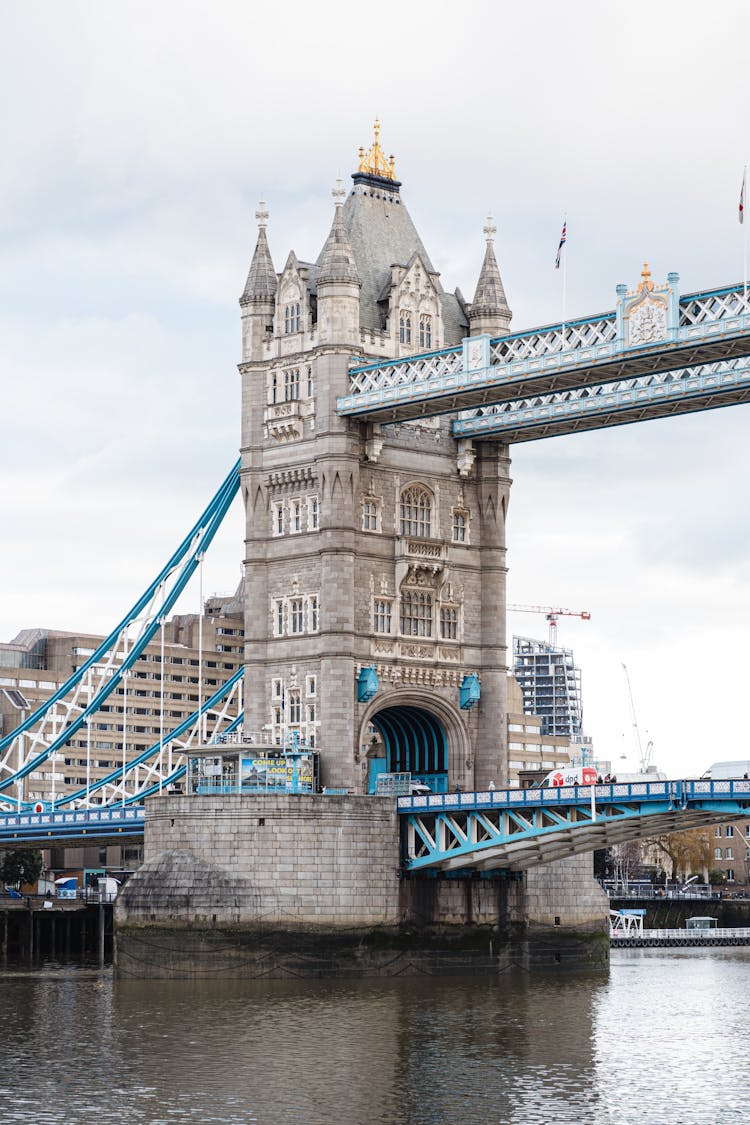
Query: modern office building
[531, 752]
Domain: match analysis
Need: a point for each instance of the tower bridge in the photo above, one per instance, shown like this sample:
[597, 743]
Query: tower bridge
[378, 410]
[376, 492]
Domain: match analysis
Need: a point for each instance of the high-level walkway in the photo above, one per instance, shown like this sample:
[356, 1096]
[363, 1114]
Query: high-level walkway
[590, 373]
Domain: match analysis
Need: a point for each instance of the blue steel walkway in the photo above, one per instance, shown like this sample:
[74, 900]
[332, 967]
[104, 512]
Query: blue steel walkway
[513, 829]
[45, 829]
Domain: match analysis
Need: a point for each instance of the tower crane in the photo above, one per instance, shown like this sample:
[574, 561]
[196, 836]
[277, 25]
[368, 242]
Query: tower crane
[552, 614]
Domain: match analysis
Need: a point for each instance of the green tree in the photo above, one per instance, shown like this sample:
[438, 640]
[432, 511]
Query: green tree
[24, 865]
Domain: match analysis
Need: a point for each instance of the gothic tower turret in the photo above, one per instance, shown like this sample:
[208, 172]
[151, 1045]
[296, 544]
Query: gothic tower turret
[338, 282]
[259, 295]
[489, 310]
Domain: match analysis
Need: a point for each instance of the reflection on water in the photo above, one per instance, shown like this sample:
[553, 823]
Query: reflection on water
[661, 1040]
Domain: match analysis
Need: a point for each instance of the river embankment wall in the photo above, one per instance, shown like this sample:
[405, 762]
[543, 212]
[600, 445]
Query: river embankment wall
[312, 885]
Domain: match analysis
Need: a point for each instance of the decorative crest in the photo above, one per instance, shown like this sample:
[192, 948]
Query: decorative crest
[261, 214]
[489, 229]
[374, 162]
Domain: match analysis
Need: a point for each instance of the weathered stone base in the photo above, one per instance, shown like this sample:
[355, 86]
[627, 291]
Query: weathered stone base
[312, 886]
[162, 953]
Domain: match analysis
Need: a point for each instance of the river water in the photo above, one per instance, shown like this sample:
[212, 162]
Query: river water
[662, 1039]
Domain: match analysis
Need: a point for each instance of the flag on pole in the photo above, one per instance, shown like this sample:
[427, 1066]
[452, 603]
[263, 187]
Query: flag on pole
[563, 239]
[742, 197]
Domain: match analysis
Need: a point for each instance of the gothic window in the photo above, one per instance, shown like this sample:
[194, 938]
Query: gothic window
[311, 712]
[381, 615]
[292, 320]
[291, 385]
[370, 514]
[425, 331]
[276, 689]
[449, 622]
[311, 685]
[296, 616]
[295, 708]
[310, 384]
[278, 617]
[404, 328]
[274, 389]
[460, 525]
[313, 614]
[416, 613]
[313, 513]
[416, 512]
[278, 518]
[295, 515]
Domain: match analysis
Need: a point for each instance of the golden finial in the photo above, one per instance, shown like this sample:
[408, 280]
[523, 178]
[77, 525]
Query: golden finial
[374, 162]
[646, 284]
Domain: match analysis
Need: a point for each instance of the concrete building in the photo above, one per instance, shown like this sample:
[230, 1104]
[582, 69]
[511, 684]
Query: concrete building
[156, 699]
[550, 683]
[367, 546]
[531, 753]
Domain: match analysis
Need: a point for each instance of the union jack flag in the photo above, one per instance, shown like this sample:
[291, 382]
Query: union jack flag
[742, 198]
[563, 238]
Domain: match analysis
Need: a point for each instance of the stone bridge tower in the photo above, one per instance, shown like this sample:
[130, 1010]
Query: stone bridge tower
[375, 566]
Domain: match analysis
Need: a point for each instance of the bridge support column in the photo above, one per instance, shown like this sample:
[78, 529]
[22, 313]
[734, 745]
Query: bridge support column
[493, 487]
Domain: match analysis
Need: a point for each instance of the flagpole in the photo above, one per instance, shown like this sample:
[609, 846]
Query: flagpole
[564, 281]
[744, 237]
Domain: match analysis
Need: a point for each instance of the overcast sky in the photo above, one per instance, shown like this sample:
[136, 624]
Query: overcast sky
[136, 141]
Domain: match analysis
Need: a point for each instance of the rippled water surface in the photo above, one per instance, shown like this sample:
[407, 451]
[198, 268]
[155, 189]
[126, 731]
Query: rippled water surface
[663, 1039]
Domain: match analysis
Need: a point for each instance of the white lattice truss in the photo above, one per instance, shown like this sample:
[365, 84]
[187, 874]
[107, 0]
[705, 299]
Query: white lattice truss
[705, 386]
[712, 326]
[36, 742]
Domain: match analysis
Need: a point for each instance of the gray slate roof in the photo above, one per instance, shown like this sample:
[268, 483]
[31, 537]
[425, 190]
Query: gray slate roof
[381, 234]
[261, 279]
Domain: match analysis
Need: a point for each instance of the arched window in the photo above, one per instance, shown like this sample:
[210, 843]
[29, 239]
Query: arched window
[416, 613]
[449, 622]
[416, 512]
[425, 331]
[404, 327]
[292, 319]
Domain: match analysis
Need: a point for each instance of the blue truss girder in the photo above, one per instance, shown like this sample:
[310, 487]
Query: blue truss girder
[705, 387]
[713, 325]
[81, 696]
[82, 824]
[514, 829]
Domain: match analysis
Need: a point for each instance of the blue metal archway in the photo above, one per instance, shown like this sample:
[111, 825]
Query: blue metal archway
[416, 743]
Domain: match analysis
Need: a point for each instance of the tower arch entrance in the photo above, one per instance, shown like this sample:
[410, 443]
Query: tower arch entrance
[408, 734]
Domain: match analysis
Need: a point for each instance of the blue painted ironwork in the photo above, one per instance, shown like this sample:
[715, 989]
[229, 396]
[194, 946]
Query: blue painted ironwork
[50, 727]
[711, 326]
[513, 829]
[415, 743]
[469, 692]
[80, 824]
[708, 386]
[367, 684]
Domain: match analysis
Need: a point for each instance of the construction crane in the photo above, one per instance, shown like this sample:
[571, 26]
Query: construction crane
[644, 758]
[552, 615]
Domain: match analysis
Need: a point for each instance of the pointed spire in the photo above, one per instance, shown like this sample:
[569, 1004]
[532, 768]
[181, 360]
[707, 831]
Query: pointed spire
[490, 303]
[261, 280]
[336, 261]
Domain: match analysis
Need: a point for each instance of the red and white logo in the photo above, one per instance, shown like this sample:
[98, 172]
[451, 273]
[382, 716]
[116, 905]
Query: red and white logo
[558, 778]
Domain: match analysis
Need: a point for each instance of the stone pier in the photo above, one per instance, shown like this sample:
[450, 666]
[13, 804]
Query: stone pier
[275, 886]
